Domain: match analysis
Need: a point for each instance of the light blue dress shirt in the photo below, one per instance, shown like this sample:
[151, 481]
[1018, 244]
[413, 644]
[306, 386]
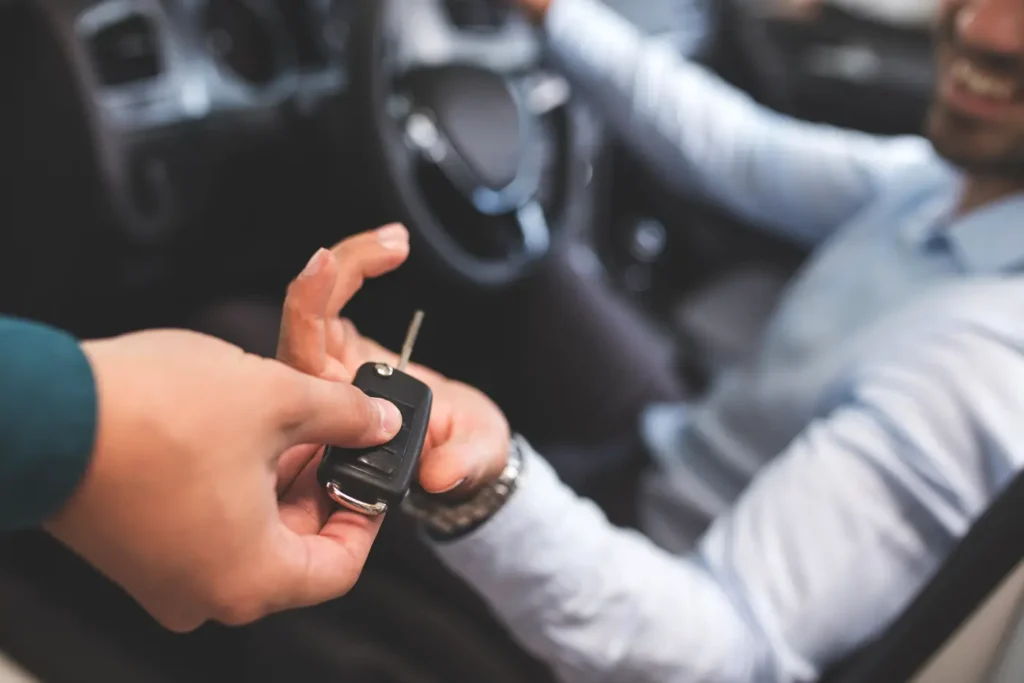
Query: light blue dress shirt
[882, 414]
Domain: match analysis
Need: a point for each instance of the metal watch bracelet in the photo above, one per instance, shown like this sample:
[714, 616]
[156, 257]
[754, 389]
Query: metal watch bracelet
[445, 521]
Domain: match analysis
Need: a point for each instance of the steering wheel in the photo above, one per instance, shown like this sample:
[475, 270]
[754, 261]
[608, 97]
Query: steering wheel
[470, 140]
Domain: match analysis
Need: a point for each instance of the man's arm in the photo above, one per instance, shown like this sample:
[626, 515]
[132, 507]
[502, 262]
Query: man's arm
[47, 420]
[703, 135]
[827, 546]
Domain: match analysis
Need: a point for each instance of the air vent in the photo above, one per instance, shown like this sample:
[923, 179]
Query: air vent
[241, 39]
[127, 51]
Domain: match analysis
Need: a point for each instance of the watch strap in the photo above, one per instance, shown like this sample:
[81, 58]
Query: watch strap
[446, 521]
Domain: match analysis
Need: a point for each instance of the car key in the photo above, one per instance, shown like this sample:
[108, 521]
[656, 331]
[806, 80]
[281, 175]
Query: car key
[370, 480]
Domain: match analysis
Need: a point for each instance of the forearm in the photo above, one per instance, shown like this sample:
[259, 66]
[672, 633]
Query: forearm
[706, 137]
[599, 603]
[873, 494]
[47, 420]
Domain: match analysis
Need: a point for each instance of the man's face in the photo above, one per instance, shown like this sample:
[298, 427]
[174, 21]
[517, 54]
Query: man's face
[977, 117]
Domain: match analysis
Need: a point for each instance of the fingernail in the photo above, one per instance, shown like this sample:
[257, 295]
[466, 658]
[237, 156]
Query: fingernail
[393, 236]
[316, 262]
[390, 418]
[451, 488]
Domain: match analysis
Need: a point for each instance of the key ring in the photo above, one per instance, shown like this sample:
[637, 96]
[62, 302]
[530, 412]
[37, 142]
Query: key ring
[354, 504]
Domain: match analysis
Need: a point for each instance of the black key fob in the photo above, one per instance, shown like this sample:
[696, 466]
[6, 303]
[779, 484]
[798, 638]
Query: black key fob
[370, 480]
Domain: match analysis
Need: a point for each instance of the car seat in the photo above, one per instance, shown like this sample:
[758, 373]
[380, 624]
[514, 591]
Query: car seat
[991, 551]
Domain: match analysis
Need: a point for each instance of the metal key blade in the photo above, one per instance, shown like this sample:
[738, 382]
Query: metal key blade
[410, 339]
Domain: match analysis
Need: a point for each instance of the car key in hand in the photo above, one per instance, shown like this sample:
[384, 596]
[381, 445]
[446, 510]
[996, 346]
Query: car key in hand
[370, 480]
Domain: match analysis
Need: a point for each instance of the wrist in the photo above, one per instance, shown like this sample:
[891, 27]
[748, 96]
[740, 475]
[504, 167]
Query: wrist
[62, 520]
[122, 432]
[446, 520]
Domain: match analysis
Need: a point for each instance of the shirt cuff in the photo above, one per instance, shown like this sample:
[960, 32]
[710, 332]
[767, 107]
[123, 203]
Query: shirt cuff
[48, 411]
[522, 534]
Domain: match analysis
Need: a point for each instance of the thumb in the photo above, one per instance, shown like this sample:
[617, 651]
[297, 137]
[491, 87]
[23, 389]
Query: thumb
[462, 464]
[335, 413]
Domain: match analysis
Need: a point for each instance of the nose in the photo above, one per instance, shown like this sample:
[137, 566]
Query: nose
[992, 25]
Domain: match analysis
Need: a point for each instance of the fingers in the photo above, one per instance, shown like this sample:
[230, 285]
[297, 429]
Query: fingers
[346, 540]
[323, 550]
[328, 283]
[294, 570]
[368, 254]
[292, 463]
[318, 568]
[313, 410]
[304, 507]
[302, 343]
[344, 341]
[463, 465]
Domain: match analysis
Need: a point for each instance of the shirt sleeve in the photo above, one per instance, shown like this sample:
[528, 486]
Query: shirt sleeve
[825, 548]
[47, 420]
[704, 136]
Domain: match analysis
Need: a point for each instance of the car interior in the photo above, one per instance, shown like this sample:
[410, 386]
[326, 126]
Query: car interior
[176, 163]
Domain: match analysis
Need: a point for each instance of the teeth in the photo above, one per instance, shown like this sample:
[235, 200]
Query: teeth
[981, 83]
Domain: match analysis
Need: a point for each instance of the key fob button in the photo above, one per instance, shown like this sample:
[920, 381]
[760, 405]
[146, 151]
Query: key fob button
[405, 409]
[382, 460]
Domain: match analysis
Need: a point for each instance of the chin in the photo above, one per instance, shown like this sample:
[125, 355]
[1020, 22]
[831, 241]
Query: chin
[950, 135]
[968, 144]
[951, 146]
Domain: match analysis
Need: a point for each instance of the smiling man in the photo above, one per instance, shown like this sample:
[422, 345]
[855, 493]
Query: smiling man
[894, 223]
[977, 119]
[880, 416]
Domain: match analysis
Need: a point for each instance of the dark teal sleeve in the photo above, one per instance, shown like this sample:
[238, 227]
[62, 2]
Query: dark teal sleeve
[48, 411]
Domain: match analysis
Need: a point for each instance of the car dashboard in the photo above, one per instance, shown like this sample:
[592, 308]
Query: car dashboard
[166, 135]
[159, 81]
[152, 63]
[195, 148]
[167, 87]
[189, 129]
[155, 64]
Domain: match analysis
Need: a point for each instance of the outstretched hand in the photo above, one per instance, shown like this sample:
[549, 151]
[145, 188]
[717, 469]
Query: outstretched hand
[468, 437]
[183, 504]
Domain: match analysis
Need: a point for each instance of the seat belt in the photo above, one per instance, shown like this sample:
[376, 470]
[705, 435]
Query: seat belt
[989, 553]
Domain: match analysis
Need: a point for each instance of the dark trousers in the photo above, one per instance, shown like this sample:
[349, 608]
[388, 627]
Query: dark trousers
[408, 620]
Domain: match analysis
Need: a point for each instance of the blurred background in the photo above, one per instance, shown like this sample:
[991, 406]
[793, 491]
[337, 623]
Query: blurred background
[175, 163]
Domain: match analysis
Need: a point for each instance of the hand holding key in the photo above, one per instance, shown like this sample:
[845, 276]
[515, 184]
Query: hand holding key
[371, 480]
[467, 437]
[178, 504]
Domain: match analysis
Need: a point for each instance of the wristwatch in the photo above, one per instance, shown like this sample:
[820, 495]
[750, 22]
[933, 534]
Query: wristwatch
[446, 521]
